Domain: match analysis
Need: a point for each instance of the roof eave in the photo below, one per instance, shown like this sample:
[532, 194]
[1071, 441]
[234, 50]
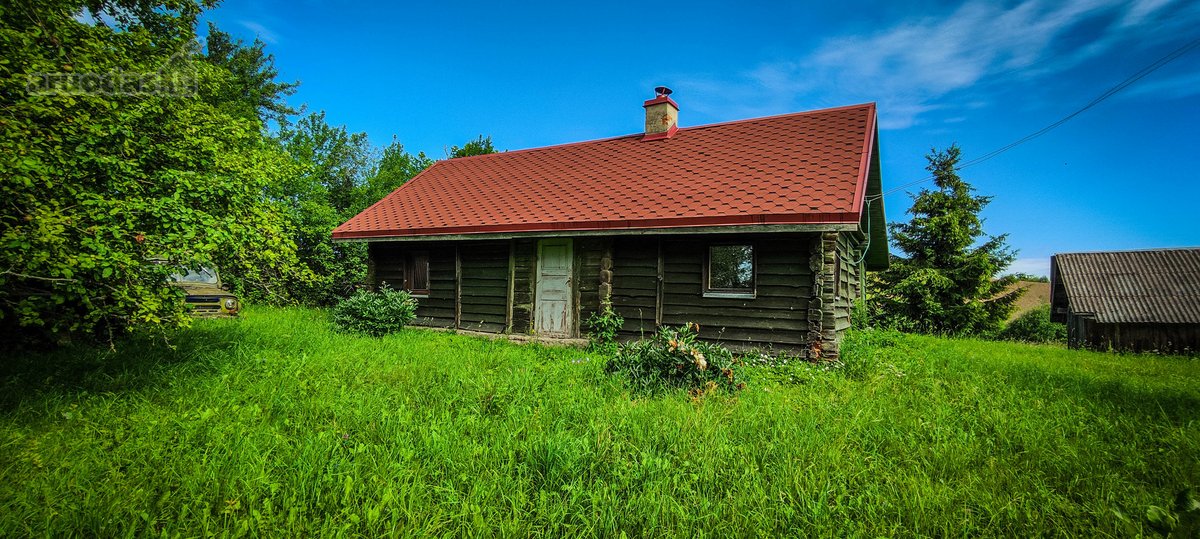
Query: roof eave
[675, 230]
[871, 195]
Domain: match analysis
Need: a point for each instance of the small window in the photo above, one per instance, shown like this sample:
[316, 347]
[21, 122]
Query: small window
[730, 271]
[416, 273]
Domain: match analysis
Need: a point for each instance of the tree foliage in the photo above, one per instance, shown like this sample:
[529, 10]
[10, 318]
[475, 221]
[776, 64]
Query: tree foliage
[322, 195]
[1029, 277]
[97, 183]
[339, 176]
[947, 281]
[249, 88]
[479, 146]
[101, 179]
[394, 167]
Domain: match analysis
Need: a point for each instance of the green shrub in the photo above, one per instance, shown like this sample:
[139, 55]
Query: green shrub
[603, 326]
[1035, 326]
[375, 313]
[676, 358]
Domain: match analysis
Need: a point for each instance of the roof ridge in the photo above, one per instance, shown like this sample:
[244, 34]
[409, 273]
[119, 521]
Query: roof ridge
[523, 150]
[1147, 250]
[869, 104]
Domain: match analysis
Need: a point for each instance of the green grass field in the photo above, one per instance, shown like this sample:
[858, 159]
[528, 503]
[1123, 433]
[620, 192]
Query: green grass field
[275, 425]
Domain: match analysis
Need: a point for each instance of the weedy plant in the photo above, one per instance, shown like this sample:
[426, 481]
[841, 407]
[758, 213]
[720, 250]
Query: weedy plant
[375, 313]
[603, 326]
[1184, 521]
[676, 357]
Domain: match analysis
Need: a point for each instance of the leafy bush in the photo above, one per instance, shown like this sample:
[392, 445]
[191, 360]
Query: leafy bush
[603, 326]
[676, 358]
[1035, 326]
[375, 313]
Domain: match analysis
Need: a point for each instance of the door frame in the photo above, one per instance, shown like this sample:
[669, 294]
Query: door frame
[569, 321]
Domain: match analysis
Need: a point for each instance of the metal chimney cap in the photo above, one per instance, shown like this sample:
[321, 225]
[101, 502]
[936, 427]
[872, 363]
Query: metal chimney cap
[662, 91]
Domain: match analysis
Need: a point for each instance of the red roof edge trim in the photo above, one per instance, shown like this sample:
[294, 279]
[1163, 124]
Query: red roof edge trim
[870, 104]
[864, 166]
[660, 99]
[659, 136]
[728, 220]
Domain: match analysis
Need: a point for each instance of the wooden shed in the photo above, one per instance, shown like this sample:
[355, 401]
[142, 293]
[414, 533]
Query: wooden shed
[759, 230]
[1128, 300]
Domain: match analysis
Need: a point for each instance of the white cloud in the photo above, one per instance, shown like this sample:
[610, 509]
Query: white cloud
[1140, 10]
[1032, 266]
[911, 66]
[260, 31]
[1172, 87]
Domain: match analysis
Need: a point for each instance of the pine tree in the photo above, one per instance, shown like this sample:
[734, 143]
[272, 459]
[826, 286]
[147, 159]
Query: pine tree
[946, 282]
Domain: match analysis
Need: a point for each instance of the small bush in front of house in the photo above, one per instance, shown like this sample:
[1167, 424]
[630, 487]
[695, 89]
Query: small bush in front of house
[676, 357]
[375, 313]
[1035, 326]
[603, 326]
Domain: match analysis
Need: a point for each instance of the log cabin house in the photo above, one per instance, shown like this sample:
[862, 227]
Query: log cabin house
[759, 230]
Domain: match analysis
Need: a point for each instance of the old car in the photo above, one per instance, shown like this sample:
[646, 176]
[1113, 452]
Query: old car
[205, 294]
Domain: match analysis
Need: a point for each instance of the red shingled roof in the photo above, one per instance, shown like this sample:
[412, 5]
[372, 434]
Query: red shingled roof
[809, 167]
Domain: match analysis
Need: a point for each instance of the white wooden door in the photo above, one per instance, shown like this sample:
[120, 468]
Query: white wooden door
[554, 302]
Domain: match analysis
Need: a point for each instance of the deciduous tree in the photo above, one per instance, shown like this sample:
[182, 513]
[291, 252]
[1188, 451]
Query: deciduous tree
[394, 167]
[479, 146]
[251, 88]
[332, 165]
[99, 176]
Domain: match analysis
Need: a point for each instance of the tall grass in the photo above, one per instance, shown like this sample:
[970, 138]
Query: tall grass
[276, 425]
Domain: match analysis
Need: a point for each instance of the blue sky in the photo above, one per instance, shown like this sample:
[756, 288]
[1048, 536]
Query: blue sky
[1123, 175]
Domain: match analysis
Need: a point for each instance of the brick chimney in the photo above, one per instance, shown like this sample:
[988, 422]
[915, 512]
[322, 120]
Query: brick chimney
[662, 115]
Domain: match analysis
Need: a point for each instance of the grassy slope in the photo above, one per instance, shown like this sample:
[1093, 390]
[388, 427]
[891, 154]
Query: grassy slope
[274, 425]
[1036, 294]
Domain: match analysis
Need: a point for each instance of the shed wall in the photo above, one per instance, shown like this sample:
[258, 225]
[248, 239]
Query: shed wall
[484, 282]
[524, 262]
[1082, 332]
[805, 286]
[848, 285]
[386, 266]
[774, 317]
[588, 255]
[635, 284]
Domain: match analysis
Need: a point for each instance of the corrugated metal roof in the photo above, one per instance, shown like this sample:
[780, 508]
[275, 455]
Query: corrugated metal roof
[809, 167]
[1155, 286]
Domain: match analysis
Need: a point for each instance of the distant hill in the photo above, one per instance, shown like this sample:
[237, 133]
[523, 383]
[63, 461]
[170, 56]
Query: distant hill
[1036, 294]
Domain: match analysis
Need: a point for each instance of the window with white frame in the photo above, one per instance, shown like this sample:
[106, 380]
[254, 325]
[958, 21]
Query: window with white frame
[729, 270]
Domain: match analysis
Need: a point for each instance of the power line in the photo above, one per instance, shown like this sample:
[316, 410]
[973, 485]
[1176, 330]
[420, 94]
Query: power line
[1140, 74]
